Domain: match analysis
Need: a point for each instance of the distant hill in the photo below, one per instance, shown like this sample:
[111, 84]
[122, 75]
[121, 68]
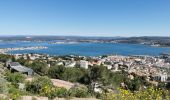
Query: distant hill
[156, 40]
[53, 38]
[162, 41]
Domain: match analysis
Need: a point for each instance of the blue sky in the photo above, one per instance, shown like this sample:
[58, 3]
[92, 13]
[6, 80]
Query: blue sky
[85, 17]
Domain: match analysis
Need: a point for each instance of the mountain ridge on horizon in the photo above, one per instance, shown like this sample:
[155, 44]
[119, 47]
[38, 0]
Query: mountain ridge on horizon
[79, 36]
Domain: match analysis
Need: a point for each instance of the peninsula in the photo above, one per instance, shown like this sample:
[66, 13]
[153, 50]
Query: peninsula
[5, 50]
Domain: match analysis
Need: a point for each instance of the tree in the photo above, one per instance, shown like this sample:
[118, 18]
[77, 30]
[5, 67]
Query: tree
[118, 77]
[40, 67]
[100, 74]
[85, 79]
[72, 74]
[13, 58]
[168, 86]
[94, 73]
[56, 71]
[4, 57]
[22, 61]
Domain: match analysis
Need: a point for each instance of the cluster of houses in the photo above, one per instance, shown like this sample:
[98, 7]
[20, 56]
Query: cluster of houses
[166, 56]
[151, 67]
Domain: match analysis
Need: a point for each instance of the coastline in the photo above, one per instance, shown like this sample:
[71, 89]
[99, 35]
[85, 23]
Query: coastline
[5, 50]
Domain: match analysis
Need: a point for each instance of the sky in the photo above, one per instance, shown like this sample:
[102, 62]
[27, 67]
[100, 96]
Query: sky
[85, 17]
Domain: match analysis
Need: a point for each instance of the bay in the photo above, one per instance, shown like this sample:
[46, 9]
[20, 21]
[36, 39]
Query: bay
[87, 49]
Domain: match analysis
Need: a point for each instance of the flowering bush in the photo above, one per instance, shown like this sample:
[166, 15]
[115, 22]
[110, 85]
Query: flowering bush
[148, 94]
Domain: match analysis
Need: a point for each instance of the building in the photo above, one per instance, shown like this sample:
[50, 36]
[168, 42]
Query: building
[161, 77]
[17, 67]
[166, 56]
[70, 64]
[109, 67]
[84, 64]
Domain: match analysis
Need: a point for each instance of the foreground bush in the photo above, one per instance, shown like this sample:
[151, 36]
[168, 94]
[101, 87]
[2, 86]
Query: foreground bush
[15, 78]
[79, 92]
[3, 85]
[44, 87]
[39, 85]
[148, 94]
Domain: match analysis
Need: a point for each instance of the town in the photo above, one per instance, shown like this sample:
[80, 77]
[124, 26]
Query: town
[95, 74]
[151, 67]
[5, 50]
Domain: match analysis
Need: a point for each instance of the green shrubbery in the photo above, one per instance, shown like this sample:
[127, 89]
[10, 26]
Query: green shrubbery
[43, 86]
[3, 85]
[78, 92]
[4, 57]
[14, 78]
[37, 85]
[147, 94]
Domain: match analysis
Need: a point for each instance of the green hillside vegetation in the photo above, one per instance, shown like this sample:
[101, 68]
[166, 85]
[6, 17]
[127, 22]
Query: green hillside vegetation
[135, 89]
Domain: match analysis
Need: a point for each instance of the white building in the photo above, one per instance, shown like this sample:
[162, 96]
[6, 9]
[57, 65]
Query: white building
[109, 67]
[116, 68]
[60, 63]
[84, 64]
[162, 77]
[70, 64]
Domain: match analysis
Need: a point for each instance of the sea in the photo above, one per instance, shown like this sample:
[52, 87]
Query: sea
[86, 49]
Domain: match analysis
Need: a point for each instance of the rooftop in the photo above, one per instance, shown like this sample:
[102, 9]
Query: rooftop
[14, 64]
[17, 66]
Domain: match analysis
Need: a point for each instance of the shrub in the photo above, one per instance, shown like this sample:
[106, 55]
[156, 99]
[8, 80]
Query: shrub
[148, 94]
[60, 92]
[78, 92]
[38, 84]
[15, 78]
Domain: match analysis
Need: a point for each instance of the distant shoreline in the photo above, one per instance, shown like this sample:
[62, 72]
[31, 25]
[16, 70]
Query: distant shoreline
[5, 50]
[156, 41]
